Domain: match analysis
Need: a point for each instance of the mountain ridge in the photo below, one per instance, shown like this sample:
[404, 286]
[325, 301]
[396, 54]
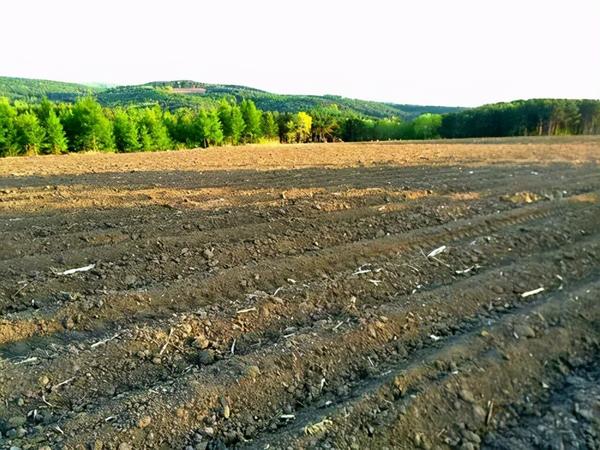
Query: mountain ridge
[175, 94]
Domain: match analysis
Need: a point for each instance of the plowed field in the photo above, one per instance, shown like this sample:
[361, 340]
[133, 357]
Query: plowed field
[434, 295]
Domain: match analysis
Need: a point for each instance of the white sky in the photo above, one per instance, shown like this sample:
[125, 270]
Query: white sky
[444, 52]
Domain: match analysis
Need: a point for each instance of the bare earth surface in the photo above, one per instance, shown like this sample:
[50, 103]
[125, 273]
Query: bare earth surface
[441, 295]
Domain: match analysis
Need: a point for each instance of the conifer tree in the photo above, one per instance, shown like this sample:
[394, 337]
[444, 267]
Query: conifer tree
[88, 128]
[29, 134]
[56, 141]
[7, 128]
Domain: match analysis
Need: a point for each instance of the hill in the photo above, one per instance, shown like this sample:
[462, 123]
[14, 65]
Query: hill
[34, 90]
[187, 93]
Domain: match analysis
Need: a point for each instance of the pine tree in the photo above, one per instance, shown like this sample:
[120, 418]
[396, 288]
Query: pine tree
[197, 130]
[180, 127]
[214, 131]
[88, 128]
[7, 128]
[224, 112]
[126, 132]
[29, 134]
[56, 141]
[153, 132]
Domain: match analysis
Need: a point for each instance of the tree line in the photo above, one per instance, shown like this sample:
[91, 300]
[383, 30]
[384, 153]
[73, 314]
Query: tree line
[538, 117]
[49, 127]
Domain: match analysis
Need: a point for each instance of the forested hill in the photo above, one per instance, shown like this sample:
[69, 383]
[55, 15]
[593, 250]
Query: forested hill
[35, 90]
[184, 93]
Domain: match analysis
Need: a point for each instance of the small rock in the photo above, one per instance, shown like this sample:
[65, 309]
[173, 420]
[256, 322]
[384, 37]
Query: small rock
[208, 253]
[125, 446]
[201, 342]
[68, 323]
[130, 280]
[206, 357]
[479, 413]
[498, 289]
[466, 395]
[253, 372]
[17, 421]
[586, 414]
[471, 437]
[144, 422]
[525, 331]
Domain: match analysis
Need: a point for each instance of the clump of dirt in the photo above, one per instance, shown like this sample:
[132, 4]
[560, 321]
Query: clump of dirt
[522, 197]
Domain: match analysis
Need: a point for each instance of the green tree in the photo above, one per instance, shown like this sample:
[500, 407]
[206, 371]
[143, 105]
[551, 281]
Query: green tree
[232, 121]
[356, 128]
[43, 109]
[252, 121]
[388, 129]
[237, 124]
[270, 130]
[565, 118]
[427, 126]
[88, 128]
[7, 128]
[29, 134]
[56, 140]
[325, 123]
[126, 131]
[145, 139]
[206, 128]
[153, 133]
[284, 123]
[214, 131]
[180, 127]
[590, 116]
